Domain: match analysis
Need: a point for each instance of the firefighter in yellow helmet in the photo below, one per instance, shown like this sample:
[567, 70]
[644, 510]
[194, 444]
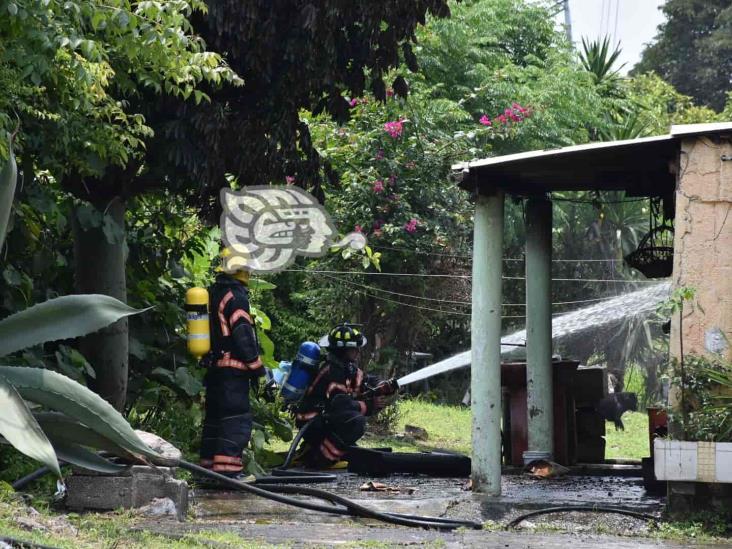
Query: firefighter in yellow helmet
[233, 366]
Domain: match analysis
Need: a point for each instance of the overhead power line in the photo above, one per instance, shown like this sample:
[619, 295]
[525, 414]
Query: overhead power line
[448, 301]
[469, 256]
[464, 277]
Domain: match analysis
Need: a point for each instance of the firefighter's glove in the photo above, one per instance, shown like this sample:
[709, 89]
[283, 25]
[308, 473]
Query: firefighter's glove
[387, 387]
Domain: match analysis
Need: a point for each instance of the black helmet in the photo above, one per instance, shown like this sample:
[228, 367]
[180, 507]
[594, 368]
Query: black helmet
[345, 336]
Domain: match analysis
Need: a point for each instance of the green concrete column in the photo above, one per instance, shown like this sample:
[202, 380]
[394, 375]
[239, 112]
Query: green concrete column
[485, 334]
[540, 411]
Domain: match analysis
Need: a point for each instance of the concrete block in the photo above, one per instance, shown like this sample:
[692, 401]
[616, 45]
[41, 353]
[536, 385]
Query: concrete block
[133, 488]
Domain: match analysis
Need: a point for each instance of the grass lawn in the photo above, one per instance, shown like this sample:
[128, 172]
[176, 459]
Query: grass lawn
[94, 530]
[449, 428]
[631, 443]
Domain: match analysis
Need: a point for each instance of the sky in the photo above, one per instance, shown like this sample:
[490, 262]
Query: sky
[632, 22]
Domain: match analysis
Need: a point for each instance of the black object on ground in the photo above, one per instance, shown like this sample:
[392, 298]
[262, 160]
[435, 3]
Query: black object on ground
[613, 406]
[650, 483]
[21, 544]
[438, 464]
[582, 509]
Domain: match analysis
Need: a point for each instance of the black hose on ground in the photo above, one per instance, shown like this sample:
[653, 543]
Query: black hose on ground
[293, 446]
[35, 475]
[22, 544]
[584, 509]
[295, 477]
[273, 492]
[290, 477]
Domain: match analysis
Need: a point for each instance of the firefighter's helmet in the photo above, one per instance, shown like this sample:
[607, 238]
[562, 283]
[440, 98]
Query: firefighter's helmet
[344, 336]
[236, 265]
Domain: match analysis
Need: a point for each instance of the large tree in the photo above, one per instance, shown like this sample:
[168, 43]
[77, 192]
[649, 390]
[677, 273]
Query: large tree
[70, 72]
[114, 107]
[693, 50]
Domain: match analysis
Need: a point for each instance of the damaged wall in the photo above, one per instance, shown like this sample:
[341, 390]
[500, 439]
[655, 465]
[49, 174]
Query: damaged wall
[703, 245]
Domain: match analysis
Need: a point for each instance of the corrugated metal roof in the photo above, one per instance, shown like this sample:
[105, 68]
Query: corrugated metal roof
[531, 155]
[645, 166]
[676, 131]
[699, 129]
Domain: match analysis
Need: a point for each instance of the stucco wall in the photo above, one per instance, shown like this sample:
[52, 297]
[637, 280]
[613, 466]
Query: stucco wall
[703, 245]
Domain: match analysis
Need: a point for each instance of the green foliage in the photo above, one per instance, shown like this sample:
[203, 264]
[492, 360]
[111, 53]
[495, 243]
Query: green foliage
[34, 326]
[496, 78]
[309, 57]
[22, 431]
[706, 401]
[72, 68]
[60, 318]
[8, 180]
[698, 526]
[599, 61]
[660, 105]
[693, 51]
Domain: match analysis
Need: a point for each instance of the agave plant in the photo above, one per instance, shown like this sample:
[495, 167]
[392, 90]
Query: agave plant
[599, 61]
[82, 420]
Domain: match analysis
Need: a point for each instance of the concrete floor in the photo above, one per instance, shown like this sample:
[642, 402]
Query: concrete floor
[256, 518]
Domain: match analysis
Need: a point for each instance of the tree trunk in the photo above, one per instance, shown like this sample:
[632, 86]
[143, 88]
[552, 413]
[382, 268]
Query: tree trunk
[100, 269]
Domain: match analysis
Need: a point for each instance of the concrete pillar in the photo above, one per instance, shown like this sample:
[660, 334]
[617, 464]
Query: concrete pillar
[703, 247]
[540, 411]
[485, 333]
[703, 254]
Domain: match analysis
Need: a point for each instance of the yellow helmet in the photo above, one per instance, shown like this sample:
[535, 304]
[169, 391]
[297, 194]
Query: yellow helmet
[235, 265]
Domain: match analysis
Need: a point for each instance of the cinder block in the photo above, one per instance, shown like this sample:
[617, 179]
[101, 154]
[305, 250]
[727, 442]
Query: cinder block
[135, 487]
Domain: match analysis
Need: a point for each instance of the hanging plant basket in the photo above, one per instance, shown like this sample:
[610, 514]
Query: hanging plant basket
[655, 254]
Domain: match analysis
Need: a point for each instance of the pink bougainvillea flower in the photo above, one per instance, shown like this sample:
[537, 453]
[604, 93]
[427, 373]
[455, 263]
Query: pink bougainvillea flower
[514, 117]
[353, 102]
[485, 120]
[389, 92]
[502, 119]
[378, 224]
[379, 155]
[395, 128]
[411, 225]
[358, 229]
[378, 186]
[519, 108]
[290, 180]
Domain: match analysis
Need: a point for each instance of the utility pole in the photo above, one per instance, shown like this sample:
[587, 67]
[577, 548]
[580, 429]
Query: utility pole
[568, 22]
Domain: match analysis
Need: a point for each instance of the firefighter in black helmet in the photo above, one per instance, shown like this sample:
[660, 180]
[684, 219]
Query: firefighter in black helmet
[339, 399]
[233, 365]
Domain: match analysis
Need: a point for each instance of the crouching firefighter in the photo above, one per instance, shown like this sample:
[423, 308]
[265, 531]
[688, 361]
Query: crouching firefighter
[233, 367]
[339, 399]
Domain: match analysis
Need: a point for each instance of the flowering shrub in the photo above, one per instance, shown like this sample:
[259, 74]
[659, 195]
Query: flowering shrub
[394, 129]
[516, 113]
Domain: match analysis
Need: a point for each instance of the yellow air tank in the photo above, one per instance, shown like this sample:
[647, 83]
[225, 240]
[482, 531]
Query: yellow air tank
[199, 339]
